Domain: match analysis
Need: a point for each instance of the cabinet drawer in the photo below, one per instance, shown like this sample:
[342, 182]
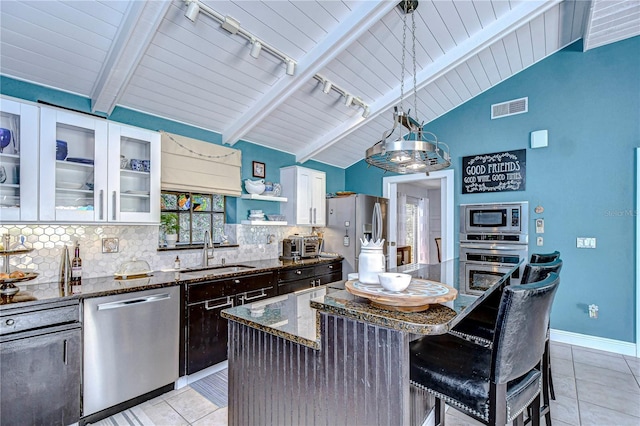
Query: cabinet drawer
[208, 290]
[329, 278]
[328, 268]
[250, 282]
[22, 321]
[295, 274]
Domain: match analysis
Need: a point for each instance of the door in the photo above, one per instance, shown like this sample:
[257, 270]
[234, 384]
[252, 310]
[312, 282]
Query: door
[318, 198]
[446, 181]
[207, 333]
[40, 377]
[73, 167]
[134, 174]
[18, 160]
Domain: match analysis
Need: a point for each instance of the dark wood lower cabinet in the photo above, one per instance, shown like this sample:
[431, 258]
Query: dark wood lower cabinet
[40, 377]
[206, 331]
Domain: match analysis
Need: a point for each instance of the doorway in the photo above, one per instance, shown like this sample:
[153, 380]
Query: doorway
[394, 185]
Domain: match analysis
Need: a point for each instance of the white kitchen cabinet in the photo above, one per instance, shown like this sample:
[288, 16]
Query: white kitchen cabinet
[136, 192]
[18, 161]
[89, 185]
[305, 190]
[73, 188]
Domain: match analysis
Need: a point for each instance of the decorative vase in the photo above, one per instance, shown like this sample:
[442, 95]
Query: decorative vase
[371, 261]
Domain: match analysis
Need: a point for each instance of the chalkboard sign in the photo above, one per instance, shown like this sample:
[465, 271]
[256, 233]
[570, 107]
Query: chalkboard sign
[497, 172]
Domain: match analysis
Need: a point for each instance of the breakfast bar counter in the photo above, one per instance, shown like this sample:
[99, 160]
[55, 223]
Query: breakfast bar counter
[325, 356]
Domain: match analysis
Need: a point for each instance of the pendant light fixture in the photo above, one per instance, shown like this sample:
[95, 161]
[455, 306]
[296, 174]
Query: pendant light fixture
[417, 151]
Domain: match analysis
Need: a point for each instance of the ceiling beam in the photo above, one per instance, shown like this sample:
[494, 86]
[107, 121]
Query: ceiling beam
[348, 31]
[131, 42]
[486, 37]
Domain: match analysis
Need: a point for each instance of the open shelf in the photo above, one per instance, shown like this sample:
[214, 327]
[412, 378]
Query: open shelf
[264, 198]
[265, 222]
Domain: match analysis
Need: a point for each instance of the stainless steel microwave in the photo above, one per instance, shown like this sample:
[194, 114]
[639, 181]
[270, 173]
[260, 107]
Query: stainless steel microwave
[495, 222]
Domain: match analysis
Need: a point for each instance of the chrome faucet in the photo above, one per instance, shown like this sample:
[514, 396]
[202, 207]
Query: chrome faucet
[208, 245]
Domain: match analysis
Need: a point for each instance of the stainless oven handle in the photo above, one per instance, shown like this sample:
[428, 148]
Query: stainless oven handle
[513, 247]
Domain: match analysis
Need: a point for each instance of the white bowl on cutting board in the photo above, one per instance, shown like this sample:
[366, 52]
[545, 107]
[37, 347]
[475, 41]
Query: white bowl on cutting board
[394, 281]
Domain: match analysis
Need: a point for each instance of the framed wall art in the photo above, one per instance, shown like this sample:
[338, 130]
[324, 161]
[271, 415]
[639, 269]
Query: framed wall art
[259, 169]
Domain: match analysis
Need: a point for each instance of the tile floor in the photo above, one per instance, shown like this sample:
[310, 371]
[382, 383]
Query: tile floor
[592, 388]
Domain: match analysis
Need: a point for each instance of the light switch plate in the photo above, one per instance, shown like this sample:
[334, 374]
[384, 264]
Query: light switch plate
[539, 226]
[586, 242]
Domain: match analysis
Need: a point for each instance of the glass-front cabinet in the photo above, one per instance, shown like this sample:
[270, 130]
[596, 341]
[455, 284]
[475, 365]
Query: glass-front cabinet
[18, 161]
[92, 170]
[73, 167]
[134, 174]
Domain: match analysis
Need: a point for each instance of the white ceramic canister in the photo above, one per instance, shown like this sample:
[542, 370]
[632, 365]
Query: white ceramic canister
[371, 262]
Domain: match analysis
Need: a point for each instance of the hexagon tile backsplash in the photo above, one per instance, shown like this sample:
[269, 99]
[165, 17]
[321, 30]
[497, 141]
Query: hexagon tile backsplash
[135, 241]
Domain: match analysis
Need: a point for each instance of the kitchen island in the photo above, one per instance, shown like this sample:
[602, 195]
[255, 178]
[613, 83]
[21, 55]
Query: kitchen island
[325, 356]
[67, 336]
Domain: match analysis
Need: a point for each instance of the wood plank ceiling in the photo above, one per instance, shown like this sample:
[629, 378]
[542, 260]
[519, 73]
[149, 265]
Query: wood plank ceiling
[149, 57]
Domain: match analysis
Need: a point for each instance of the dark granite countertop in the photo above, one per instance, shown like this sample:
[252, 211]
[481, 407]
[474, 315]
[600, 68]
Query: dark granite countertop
[291, 316]
[105, 286]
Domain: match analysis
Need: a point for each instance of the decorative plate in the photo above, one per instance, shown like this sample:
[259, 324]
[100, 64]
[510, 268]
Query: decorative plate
[80, 160]
[27, 277]
[420, 293]
[69, 185]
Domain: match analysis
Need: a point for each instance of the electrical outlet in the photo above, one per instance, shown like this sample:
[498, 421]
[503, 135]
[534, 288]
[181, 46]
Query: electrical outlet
[110, 245]
[539, 241]
[593, 311]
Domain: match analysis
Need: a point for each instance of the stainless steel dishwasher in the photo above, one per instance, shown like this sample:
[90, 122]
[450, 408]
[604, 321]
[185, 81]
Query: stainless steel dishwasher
[131, 344]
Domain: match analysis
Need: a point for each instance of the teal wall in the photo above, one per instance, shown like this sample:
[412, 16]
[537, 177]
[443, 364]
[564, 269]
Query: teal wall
[237, 208]
[585, 179]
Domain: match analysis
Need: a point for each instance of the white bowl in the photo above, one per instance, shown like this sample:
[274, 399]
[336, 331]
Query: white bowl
[254, 186]
[394, 281]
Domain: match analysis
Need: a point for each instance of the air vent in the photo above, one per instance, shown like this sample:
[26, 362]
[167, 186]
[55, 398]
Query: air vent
[505, 109]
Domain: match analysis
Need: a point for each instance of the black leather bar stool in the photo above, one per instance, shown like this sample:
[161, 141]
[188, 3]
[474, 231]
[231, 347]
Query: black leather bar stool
[492, 384]
[544, 257]
[479, 326]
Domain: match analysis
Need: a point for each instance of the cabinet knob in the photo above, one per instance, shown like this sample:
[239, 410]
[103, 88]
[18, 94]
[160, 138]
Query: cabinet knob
[330, 266]
[236, 281]
[10, 322]
[298, 272]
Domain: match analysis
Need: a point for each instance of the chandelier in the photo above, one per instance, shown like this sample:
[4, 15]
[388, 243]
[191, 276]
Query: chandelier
[417, 150]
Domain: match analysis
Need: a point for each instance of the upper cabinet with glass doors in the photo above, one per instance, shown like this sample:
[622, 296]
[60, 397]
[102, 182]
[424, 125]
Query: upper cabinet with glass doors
[83, 175]
[134, 174]
[18, 161]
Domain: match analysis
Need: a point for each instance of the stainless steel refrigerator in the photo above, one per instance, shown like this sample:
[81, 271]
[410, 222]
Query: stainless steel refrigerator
[348, 220]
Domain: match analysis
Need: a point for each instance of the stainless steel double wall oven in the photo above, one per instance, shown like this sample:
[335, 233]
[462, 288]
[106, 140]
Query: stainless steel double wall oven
[493, 237]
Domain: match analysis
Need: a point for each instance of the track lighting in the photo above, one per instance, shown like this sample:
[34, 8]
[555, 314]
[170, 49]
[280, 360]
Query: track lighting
[256, 48]
[366, 111]
[327, 86]
[228, 23]
[348, 100]
[192, 11]
[291, 67]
